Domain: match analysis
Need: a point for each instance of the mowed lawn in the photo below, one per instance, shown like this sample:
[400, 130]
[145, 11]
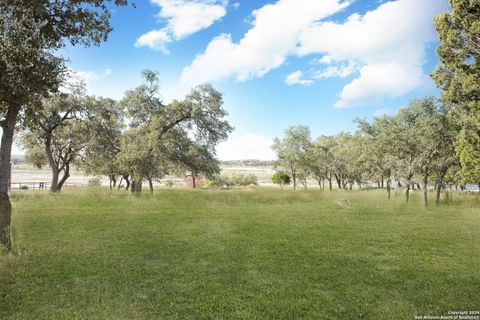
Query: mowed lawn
[241, 254]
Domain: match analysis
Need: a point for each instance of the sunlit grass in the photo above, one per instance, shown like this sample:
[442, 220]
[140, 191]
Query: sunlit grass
[242, 254]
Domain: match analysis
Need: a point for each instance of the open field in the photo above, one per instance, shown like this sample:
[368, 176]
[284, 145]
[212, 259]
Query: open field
[242, 254]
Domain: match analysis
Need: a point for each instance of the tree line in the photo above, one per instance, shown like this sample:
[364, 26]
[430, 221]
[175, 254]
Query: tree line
[414, 148]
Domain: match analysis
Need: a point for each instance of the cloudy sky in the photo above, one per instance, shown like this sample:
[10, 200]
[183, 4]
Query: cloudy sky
[321, 63]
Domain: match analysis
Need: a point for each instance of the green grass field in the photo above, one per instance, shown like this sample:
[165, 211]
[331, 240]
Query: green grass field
[242, 254]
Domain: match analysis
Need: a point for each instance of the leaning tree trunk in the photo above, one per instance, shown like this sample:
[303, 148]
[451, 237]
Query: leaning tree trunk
[66, 175]
[8, 126]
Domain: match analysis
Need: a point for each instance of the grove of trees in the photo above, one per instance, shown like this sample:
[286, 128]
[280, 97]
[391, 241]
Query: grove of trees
[415, 147]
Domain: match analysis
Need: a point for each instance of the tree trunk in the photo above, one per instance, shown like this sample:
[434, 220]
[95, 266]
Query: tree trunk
[378, 184]
[407, 192]
[66, 175]
[194, 184]
[294, 176]
[339, 182]
[330, 187]
[150, 184]
[383, 179]
[425, 189]
[53, 164]
[127, 181]
[8, 127]
[388, 188]
[136, 187]
[114, 181]
[439, 190]
[440, 184]
[120, 183]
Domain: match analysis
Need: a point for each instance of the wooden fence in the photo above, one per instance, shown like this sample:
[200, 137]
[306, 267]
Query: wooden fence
[40, 185]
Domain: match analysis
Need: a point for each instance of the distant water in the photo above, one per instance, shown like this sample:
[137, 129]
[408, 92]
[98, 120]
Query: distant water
[472, 187]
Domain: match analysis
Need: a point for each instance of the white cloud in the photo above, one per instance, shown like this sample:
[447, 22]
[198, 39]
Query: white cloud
[379, 81]
[296, 78]
[341, 71]
[266, 46]
[184, 17]
[155, 39]
[388, 44]
[385, 47]
[248, 146]
[236, 5]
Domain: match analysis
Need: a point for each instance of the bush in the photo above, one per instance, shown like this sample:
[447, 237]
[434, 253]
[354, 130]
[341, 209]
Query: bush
[94, 182]
[234, 180]
[169, 183]
[24, 187]
[281, 178]
[244, 180]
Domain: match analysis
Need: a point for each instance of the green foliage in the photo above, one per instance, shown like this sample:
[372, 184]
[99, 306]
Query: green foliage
[30, 32]
[458, 74]
[243, 180]
[169, 183]
[72, 127]
[179, 137]
[236, 179]
[261, 254]
[292, 152]
[281, 178]
[94, 182]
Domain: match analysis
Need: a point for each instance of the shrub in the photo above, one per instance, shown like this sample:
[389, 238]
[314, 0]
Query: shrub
[244, 180]
[94, 182]
[24, 187]
[169, 183]
[281, 178]
[234, 180]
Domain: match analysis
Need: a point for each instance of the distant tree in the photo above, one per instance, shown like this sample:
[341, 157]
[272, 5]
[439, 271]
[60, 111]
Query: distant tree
[292, 151]
[30, 32]
[67, 124]
[379, 154]
[281, 178]
[157, 129]
[458, 74]
[101, 153]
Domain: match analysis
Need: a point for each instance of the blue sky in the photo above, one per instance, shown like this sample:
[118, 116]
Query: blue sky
[321, 63]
